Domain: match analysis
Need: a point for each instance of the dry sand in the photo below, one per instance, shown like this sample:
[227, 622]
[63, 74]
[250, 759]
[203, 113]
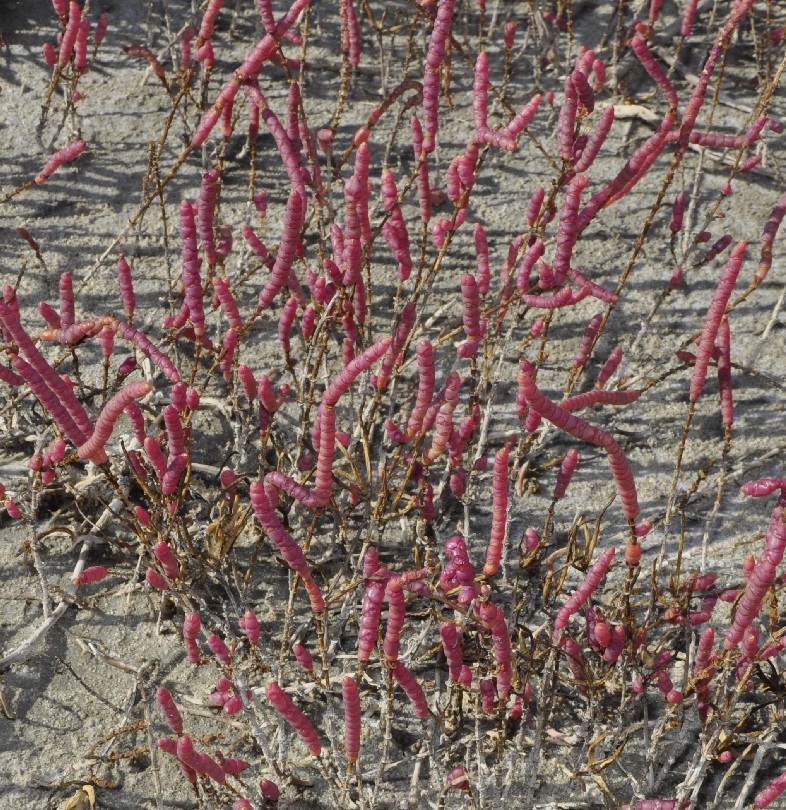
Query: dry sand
[96, 671]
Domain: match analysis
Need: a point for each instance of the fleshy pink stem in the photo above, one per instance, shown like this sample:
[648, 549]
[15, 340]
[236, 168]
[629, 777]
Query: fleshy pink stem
[64, 155]
[283, 704]
[714, 314]
[582, 430]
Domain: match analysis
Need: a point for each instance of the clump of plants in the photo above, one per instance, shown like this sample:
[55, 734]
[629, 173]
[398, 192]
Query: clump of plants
[361, 443]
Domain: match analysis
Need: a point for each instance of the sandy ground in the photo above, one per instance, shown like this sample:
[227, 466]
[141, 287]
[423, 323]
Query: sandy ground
[71, 707]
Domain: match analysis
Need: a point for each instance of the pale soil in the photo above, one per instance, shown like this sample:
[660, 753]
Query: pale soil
[65, 701]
